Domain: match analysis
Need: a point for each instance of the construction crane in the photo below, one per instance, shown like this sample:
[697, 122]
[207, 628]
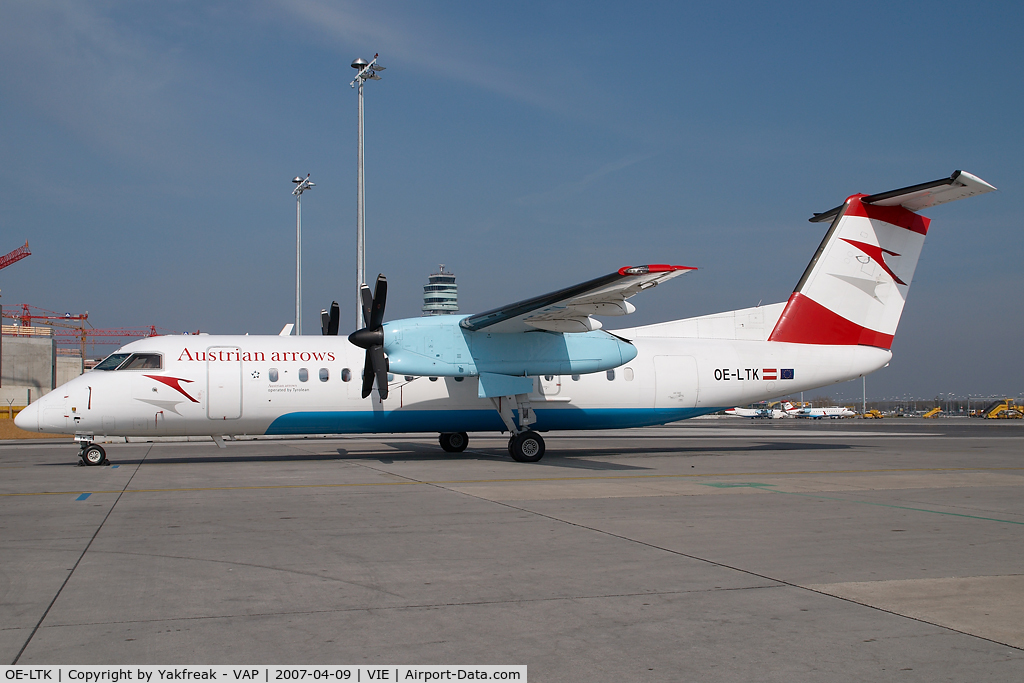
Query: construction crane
[72, 328]
[14, 256]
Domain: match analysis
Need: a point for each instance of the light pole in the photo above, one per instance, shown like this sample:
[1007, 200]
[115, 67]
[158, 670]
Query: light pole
[301, 185]
[367, 72]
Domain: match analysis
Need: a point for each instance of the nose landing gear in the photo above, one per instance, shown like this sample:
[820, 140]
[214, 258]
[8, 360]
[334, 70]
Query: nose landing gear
[91, 454]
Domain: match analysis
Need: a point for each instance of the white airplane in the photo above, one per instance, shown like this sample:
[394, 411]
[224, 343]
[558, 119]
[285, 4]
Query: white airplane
[536, 365]
[833, 412]
[757, 413]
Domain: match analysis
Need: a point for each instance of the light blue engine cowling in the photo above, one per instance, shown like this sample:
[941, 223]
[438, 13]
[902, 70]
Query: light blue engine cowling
[437, 346]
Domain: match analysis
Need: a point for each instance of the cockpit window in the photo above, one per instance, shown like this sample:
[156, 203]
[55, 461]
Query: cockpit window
[112, 361]
[131, 361]
[142, 361]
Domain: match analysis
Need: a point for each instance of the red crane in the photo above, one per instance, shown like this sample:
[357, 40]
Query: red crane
[14, 256]
[68, 328]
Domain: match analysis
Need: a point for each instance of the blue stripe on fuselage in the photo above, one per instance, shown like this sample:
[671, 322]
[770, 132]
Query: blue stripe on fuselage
[396, 421]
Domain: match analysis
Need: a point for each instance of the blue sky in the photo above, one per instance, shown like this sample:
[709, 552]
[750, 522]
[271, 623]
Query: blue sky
[148, 149]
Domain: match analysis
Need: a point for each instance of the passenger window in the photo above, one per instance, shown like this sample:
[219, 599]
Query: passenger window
[548, 378]
[611, 375]
[458, 379]
[325, 374]
[346, 375]
[409, 378]
[391, 378]
[628, 374]
[575, 378]
[303, 374]
[432, 379]
[272, 374]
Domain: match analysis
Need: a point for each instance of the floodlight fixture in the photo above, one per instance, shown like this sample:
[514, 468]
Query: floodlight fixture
[301, 185]
[366, 71]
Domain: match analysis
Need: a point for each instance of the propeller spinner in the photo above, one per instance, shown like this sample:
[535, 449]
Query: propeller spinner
[371, 338]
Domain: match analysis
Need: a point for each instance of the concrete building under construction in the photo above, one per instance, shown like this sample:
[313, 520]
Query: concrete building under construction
[31, 364]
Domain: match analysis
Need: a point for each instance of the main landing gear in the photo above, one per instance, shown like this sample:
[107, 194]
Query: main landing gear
[91, 454]
[525, 445]
[454, 442]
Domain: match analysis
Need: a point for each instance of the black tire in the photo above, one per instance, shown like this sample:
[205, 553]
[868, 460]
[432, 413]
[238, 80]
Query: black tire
[526, 447]
[454, 442]
[94, 455]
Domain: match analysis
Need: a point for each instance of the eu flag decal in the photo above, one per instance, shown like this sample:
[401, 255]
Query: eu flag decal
[786, 373]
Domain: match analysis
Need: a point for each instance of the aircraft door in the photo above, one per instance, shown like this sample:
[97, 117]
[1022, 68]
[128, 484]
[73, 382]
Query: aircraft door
[54, 413]
[550, 385]
[224, 383]
[675, 379]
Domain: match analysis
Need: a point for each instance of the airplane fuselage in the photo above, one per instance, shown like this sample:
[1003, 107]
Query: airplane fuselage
[254, 385]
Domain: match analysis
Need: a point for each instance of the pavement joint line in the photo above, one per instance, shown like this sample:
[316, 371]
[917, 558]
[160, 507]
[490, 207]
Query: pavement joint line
[71, 573]
[415, 482]
[890, 505]
[748, 572]
[705, 560]
[386, 608]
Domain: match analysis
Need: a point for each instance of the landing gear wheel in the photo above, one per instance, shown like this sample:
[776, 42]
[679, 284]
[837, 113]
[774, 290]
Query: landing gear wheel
[454, 442]
[526, 447]
[94, 455]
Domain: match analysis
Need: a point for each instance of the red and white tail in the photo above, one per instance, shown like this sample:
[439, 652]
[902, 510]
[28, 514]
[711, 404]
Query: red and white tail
[854, 288]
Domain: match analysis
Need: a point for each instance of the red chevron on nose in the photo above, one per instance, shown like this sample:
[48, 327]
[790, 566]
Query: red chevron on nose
[172, 382]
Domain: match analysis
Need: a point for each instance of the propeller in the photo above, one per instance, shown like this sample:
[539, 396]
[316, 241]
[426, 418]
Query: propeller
[329, 321]
[371, 337]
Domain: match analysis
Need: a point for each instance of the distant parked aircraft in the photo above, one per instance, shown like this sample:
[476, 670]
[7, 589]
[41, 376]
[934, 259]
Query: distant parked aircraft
[757, 413]
[833, 412]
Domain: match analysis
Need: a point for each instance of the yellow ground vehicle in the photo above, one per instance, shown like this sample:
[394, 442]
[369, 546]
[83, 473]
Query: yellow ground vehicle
[933, 412]
[873, 413]
[1003, 409]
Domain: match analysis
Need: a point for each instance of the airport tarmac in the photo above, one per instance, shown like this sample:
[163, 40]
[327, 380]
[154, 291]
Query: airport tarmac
[713, 550]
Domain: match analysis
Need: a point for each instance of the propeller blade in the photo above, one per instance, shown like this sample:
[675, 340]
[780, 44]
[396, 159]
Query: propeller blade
[332, 325]
[364, 293]
[325, 320]
[380, 369]
[380, 299]
[367, 375]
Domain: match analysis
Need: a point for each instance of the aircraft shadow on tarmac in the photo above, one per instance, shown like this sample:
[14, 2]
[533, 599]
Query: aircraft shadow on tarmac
[411, 451]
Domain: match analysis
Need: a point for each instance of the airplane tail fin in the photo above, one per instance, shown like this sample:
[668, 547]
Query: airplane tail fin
[854, 289]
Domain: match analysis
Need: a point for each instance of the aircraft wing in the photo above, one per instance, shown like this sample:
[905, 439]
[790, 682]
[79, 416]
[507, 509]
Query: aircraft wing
[569, 309]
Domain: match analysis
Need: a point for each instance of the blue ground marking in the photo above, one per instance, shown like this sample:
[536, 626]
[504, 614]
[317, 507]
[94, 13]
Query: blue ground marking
[83, 496]
[114, 467]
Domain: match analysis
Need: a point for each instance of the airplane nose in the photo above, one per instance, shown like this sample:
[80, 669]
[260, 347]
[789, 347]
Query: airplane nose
[28, 418]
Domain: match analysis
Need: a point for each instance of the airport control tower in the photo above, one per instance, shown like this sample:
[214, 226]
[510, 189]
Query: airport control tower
[440, 294]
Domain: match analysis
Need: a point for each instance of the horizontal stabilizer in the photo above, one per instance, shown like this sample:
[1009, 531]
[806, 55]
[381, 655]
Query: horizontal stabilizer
[960, 185]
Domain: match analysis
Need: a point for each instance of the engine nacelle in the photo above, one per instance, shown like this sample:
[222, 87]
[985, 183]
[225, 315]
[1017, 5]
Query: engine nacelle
[437, 346]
